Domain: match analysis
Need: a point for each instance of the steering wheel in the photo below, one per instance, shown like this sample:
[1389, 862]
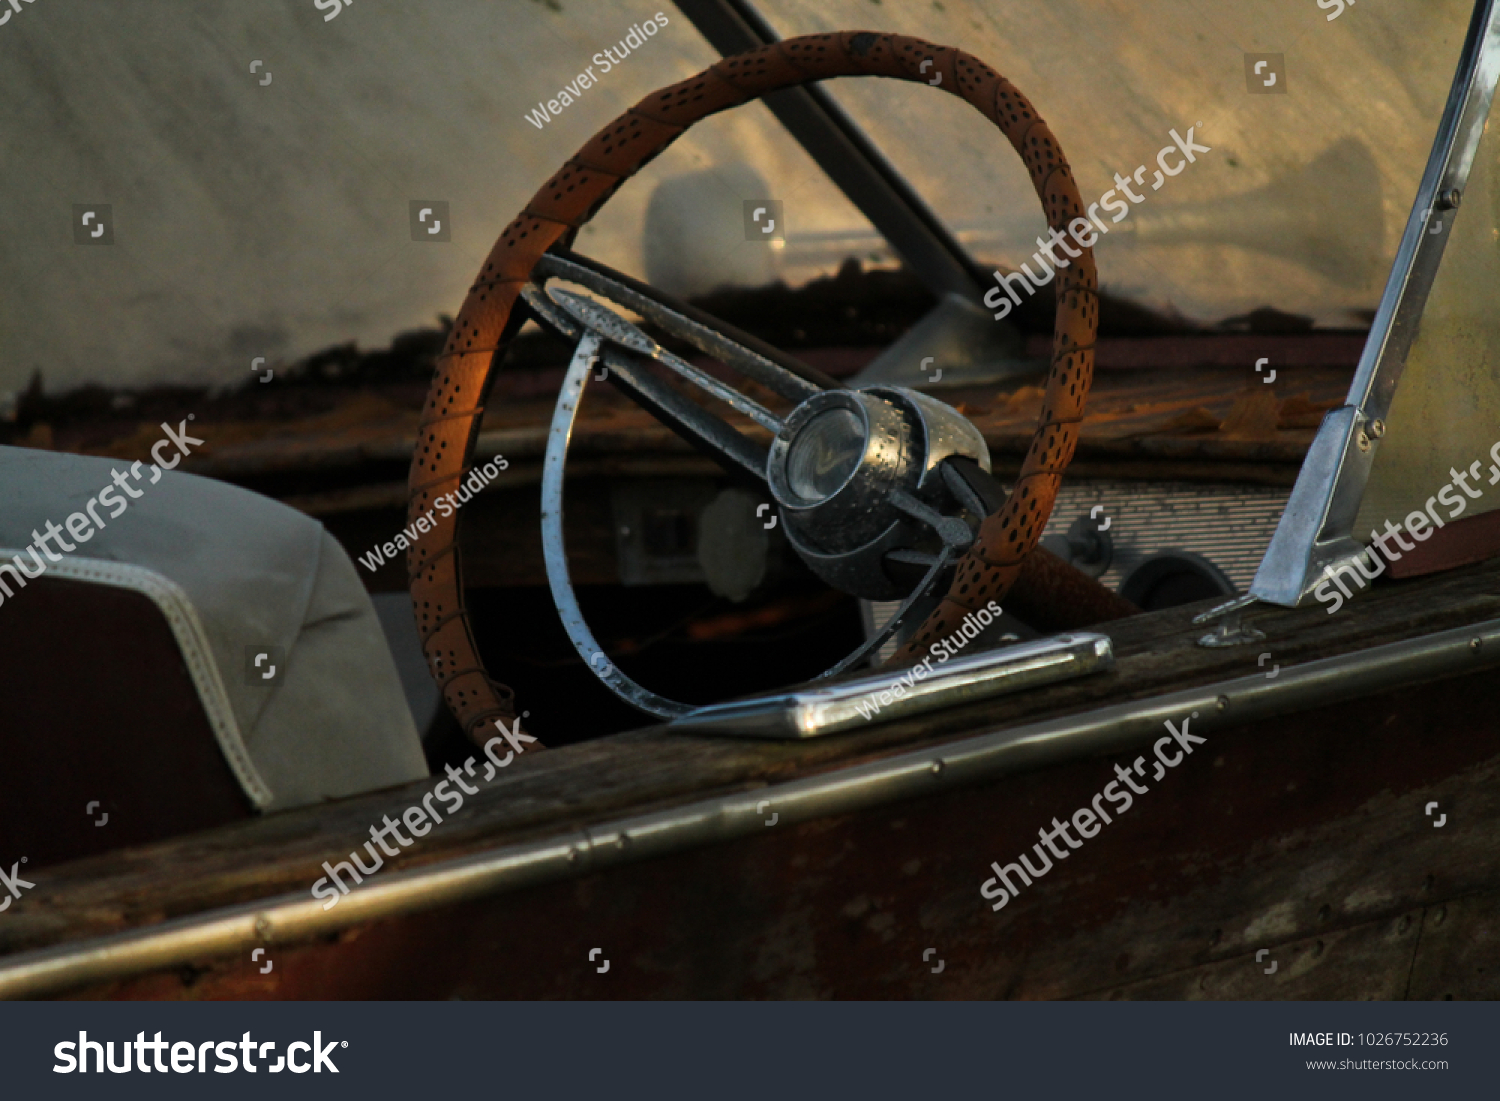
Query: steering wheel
[871, 484]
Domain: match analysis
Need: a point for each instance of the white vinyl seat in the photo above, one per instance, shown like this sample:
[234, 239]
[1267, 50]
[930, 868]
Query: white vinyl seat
[236, 575]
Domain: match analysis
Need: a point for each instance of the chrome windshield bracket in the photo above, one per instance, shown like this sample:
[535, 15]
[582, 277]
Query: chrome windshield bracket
[1230, 632]
[1316, 534]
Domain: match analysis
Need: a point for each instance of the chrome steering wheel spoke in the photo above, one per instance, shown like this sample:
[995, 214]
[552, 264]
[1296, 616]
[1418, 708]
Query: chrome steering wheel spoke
[940, 562]
[775, 370]
[614, 328]
[556, 556]
[730, 448]
[573, 315]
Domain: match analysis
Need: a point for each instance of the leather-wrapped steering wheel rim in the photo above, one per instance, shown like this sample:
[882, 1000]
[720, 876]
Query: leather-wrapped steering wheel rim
[451, 416]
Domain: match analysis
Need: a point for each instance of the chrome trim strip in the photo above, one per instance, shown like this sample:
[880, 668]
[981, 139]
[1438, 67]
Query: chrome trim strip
[297, 917]
[812, 712]
[1315, 534]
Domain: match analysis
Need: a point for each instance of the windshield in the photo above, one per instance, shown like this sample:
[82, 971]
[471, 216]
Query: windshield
[260, 170]
[1445, 417]
[1319, 124]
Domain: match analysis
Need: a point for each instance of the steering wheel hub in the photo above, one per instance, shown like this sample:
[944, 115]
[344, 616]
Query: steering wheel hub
[847, 467]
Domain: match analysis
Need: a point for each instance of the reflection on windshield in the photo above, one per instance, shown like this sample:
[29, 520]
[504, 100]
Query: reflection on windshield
[1445, 418]
[1305, 199]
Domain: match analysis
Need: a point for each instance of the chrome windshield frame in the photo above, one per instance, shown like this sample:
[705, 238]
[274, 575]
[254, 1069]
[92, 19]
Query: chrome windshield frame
[1316, 532]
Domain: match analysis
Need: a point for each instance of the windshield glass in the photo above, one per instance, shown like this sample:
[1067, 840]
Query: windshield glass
[1441, 439]
[258, 171]
[1318, 123]
[262, 192]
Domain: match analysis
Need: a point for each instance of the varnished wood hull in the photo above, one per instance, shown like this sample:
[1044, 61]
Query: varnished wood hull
[1306, 837]
[1298, 828]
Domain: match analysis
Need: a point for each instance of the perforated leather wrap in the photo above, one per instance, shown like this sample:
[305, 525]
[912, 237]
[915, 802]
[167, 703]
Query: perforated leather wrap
[455, 405]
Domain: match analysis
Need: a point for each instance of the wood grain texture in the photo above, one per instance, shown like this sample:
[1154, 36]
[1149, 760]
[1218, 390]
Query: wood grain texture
[1321, 810]
[1304, 836]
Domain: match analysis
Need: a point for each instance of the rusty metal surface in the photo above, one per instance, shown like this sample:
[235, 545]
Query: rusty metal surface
[1282, 352]
[1147, 413]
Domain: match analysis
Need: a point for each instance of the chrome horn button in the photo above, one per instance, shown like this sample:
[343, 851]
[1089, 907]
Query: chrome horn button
[833, 465]
[845, 468]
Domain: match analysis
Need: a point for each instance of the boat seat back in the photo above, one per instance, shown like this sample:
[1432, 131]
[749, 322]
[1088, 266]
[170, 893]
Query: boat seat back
[104, 741]
[176, 657]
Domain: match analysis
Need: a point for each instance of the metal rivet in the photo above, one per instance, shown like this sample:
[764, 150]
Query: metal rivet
[623, 841]
[1377, 428]
[1362, 440]
[1223, 703]
[1476, 644]
[937, 768]
[1449, 200]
